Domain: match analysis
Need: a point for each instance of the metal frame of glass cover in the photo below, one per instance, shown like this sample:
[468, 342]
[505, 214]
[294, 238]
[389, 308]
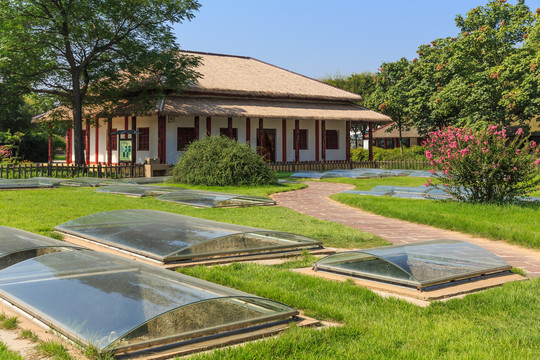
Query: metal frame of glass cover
[170, 237]
[419, 265]
[121, 305]
[214, 199]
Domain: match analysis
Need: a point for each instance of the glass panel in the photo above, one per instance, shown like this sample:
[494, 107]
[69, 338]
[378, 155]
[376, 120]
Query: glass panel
[360, 264]
[163, 236]
[84, 181]
[18, 245]
[151, 180]
[205, 317]
[36, 182]
[99, 297]
[307, 175]
[361, 192]
[214, 199]
[428, 263]
[138, 190]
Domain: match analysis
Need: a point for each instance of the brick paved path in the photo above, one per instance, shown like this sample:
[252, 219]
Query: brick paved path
[314, 201]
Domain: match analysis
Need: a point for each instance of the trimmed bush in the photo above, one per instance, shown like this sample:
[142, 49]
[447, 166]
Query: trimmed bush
[220, 161]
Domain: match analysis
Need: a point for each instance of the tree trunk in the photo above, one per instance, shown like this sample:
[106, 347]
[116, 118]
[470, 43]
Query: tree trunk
[400, 126]
[76, 102]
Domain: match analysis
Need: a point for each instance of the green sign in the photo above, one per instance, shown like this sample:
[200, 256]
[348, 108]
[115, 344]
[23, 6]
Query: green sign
[125, 150]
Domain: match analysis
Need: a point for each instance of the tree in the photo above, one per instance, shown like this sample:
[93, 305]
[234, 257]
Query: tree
[391, 94]
[471, 80]
[94, 54]
[361, 84]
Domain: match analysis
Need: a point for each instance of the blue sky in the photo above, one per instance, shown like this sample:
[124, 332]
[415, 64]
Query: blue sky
[319, 38]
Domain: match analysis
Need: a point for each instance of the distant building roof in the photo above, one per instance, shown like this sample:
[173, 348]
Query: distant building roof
[391, 131]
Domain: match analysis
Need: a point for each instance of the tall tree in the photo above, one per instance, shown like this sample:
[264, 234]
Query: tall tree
[94, 53]
[391, 94]
[467, 80]
[361, 84]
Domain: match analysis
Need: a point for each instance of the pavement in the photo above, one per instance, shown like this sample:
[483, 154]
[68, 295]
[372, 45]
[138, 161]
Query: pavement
[314, 201]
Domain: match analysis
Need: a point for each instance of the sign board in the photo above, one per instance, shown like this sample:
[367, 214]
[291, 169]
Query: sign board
[125, 150]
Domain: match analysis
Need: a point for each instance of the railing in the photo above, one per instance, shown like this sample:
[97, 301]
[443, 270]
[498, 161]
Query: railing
[61, 170]
[342, 164]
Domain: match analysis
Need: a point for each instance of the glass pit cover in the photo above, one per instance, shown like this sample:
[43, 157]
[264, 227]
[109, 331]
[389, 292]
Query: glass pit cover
[168, 237]
[214, 199]
[121, 305]
[18, 245]
[419, 265]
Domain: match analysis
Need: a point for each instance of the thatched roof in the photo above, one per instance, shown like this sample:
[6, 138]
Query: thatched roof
[236, 86]
[391, 131]
[240, 75]
[267, 108]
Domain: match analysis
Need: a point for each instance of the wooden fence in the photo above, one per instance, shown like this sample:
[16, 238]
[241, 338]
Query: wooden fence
[61, 170]
[341, 164]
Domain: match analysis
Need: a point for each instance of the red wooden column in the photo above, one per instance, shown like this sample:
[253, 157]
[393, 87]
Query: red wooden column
[348, 140]
[196, 127]
[296, 140]
[284, 140]
[317, 140]
[134, 127]
[208, 126]
[69, 144]
[109, 142]
[87, 147]
[323, 131]
[248, 131]
[261, 136]
[97, 141]
[370, 141]
[229, 127]
[126, 126]
[162, 141]
[50, 142]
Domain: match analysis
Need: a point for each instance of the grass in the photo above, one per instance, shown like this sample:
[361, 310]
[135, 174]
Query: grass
[24, 210]
[53, 349]
[6, 354]
[516, 224]
[29, 335]
[498, 323]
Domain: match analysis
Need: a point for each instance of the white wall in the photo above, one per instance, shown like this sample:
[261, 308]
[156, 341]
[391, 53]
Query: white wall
[172, 123]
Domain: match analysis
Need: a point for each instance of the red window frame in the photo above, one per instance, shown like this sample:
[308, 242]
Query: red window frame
[184, 137]
[114, 140]
[302, 141]
[143, 141]
[332, 140]
[225, 132]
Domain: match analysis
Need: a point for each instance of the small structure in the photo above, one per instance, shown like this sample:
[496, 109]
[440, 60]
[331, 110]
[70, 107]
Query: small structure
[285, 116]
[126, 307]
[172, 240]
[387, 137]
[426, 270]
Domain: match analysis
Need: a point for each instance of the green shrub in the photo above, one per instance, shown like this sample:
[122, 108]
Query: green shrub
[380, 154]
[35, 146]
[220, 161]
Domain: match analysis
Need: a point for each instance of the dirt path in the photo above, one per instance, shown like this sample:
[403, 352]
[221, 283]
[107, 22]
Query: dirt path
[314, 201]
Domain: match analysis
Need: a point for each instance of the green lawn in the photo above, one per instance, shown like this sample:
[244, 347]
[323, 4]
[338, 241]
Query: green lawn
[495, 324]
[501, 323]
[40, 210]
[516, 224]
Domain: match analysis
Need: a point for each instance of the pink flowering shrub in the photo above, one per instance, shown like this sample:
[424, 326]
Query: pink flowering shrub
[483, 166]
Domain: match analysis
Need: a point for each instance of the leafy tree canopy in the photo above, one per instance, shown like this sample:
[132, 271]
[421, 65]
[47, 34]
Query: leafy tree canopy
[94, 54]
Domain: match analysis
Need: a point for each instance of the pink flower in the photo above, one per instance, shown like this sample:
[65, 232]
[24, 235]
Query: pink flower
[519, 131]
[537, 162]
